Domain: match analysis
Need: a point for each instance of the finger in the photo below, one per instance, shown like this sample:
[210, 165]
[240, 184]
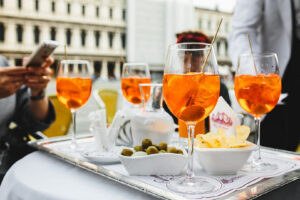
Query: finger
[6, 79]
[39, 70]
[37, 79]
[48, 62]
[24, 60]
[12, 79]
[13, 70]
[35, 70]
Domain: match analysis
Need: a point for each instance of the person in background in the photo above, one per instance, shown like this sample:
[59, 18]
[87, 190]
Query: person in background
[273, 26]
[22, 101]
[197, 36]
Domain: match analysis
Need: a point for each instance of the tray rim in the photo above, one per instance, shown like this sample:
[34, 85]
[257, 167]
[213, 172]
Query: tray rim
[273, 183]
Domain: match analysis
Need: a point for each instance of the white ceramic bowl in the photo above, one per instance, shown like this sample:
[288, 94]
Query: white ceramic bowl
[155, 164]
[223, 161]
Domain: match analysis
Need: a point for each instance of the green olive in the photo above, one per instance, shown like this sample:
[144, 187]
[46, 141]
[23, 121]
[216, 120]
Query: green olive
[138, 148]
[179, 151]
[163, 146]
[172, 150]
[127, 152]
[162, 151]
[151, 150]
[146, 143]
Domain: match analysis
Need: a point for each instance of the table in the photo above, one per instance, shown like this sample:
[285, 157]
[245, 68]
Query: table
[41, 176]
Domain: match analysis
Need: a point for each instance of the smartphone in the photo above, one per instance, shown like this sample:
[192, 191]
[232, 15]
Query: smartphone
[44, 50]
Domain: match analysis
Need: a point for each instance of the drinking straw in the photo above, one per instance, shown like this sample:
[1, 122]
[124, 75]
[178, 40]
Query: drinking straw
[212, 43]
[252, 53]
[66, 57]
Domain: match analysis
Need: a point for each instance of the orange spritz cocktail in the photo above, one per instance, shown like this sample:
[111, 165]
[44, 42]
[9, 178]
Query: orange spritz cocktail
[191, 97]
[73, 92]
[258, 94]
[131, 89]
[199, 128]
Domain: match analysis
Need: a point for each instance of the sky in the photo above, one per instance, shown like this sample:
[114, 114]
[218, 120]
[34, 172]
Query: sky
[223, 5]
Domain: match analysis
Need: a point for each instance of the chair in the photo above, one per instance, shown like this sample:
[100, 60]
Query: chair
[63, 119]
[107, 98]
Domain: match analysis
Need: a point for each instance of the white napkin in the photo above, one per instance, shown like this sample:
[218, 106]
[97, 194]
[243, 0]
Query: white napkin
[105, 137]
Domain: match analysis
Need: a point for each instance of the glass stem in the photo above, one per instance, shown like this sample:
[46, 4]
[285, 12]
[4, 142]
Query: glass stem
[190, 169]
[257, 159]
[73, 141]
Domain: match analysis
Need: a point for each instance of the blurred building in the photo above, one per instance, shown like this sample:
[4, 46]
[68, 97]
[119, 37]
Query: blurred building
[207, 21]
[107, 32]
[153, 24]
[93, 30]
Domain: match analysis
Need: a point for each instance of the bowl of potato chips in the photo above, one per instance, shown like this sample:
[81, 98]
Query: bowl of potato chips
[220, 154]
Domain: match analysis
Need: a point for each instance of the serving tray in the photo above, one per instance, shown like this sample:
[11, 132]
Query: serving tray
[154, 185]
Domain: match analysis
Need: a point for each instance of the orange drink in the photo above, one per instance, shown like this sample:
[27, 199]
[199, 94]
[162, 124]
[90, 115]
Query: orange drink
[199, 128]
[191, 97]
[131, 89]
[73, 92]
[258, 94]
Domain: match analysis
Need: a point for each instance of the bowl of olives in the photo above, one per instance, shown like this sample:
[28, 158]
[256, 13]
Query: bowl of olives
[151, 159]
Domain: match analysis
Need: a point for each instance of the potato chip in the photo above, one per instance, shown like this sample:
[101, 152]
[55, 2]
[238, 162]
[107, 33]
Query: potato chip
[212, 140]
[235, 142]
[221, 140]
[242, 132]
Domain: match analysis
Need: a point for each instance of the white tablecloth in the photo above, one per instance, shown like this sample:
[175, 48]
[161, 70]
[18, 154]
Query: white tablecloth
[40, 176]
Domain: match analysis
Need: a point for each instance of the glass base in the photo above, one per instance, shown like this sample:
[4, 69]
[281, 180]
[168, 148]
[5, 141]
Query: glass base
[259, 167]
[194, 185]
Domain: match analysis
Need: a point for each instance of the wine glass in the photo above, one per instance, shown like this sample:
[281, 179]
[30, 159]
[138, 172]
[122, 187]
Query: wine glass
[73, 86]
[191, 93]
[257, 87]
[134, 74]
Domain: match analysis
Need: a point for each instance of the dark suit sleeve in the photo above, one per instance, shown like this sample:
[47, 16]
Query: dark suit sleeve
[23, 116]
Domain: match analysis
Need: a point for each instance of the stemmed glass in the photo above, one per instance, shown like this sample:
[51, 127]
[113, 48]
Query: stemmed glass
[191, 93]
[257, 88]
[73, 86]
[134, 74]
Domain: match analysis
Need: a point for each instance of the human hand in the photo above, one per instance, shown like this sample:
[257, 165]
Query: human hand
[38, 78]
[11, 79]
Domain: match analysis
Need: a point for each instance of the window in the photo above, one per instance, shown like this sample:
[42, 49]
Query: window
[111, 13]
[68, 36]
[123, 39]
[208, 24]
[68, 8]
[2, 32]
[19, 33]
[97, 11]
[124, 14]
[53, 6]
[83, 10]
[226, 48]
[111, 70]
[111, 37]
[36, 5]
[52, 33]
[218, 47]
[20, 4]
[18, 62]
[200, 23]
[83, 35]
[36, 32]
[97, 68]
[97, 38]
[1, 3]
